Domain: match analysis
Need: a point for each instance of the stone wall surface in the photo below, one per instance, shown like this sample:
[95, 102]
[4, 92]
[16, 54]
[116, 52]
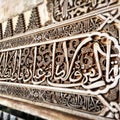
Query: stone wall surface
[64, 55]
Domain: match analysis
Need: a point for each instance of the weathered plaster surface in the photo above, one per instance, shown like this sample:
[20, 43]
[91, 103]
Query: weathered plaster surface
[10, 8]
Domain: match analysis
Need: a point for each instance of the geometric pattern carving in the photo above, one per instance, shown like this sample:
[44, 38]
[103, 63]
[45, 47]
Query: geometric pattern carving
[80, 64]
[34, 21]
[78, 102]
[1, 31]
[20, 26]
[8, 30]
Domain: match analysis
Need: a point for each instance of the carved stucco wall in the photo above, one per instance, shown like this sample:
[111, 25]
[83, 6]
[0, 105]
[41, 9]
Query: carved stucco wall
[64, 53]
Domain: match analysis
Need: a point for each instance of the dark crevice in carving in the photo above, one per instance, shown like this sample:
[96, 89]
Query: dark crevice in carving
[1, 31]
[111, 29]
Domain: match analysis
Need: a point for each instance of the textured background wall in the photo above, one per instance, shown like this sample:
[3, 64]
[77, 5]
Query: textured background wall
[10, 8]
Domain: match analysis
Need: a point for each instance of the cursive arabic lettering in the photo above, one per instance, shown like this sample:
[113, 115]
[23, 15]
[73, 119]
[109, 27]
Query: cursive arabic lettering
[87, 61]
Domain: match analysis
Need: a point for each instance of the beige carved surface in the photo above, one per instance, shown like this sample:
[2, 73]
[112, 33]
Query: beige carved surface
[69, 59]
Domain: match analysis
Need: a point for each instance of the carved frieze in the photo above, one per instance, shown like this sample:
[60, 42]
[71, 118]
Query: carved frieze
[77, 102]
[79, 27]
[74, 64]
[80, 63]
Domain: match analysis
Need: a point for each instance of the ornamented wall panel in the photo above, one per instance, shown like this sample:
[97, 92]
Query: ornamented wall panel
[72, 63]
